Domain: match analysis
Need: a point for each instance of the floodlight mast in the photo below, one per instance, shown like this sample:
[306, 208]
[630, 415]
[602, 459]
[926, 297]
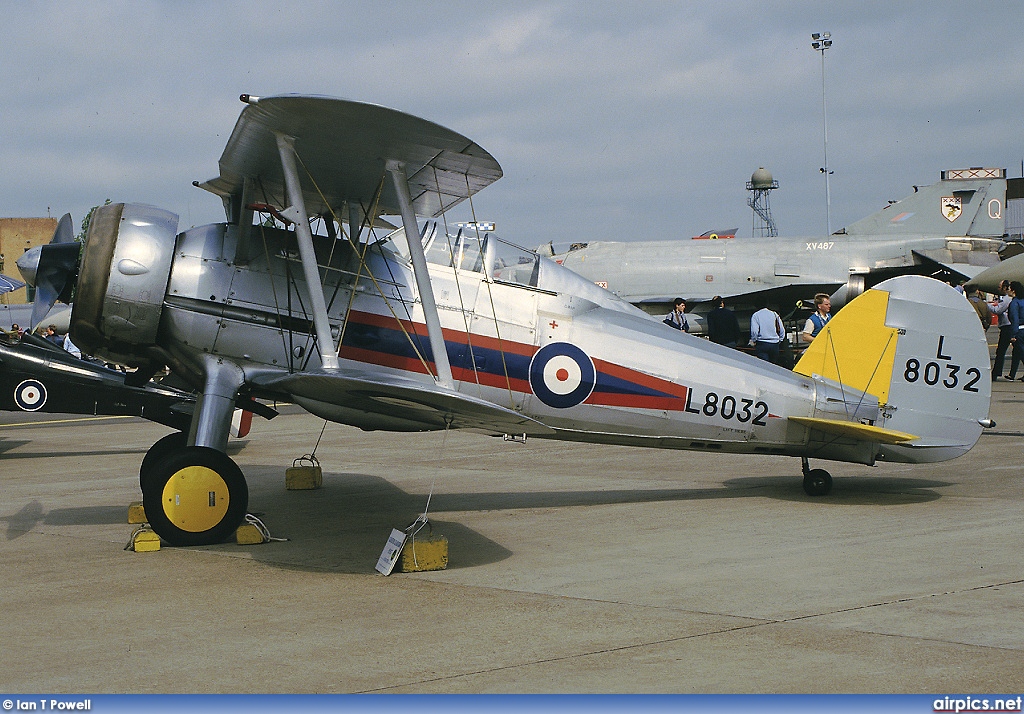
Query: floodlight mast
[821, 41]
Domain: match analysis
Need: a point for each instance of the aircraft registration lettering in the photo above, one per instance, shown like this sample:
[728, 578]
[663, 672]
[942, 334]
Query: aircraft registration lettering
[729, 407]
[821, 245]
[931, 371]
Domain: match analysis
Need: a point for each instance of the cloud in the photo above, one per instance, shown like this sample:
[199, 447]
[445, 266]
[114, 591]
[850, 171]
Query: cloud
[611, 120]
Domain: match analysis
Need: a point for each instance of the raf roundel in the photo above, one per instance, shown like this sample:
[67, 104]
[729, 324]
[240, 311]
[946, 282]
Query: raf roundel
[30, 395]
[562, 375]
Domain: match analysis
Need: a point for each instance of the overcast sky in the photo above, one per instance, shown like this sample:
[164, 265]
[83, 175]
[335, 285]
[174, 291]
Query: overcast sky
[611, 120]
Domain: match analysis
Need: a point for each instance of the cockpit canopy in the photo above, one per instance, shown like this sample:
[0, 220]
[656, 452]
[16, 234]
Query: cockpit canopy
[500, 261]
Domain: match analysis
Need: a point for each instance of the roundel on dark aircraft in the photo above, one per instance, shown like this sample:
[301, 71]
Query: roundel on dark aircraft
[30, 395]
[562, 375]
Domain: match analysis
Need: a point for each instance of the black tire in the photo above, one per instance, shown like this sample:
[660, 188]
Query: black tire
[167, 445]
[195, 496]
[817, 482]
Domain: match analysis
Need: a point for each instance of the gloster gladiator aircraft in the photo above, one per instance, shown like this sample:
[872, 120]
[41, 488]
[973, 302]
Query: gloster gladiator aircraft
[467, 331]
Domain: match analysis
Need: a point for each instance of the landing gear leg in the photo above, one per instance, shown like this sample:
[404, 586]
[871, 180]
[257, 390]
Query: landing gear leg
[817, 482]
[196, 495]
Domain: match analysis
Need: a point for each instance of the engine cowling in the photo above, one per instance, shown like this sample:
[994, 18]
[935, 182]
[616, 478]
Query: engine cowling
[126, 265]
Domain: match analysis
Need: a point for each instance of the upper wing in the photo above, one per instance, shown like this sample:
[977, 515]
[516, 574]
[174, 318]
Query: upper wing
[401, 403]
[344, 146]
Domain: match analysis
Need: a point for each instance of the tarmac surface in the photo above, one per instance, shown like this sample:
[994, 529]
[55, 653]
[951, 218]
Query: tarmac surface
[573, 568]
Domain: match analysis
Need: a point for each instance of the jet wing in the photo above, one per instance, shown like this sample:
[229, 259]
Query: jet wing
[430, 406]
[344, 146]
[1010, 269]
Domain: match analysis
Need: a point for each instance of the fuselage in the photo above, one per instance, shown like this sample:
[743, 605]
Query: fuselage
[655, 271]
[521, 332]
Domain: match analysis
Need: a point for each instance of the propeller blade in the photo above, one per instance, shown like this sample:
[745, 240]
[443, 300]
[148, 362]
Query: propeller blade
[65, 232]
[51, 268]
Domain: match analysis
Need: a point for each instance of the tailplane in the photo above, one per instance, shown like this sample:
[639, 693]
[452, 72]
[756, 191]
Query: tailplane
[916, 345]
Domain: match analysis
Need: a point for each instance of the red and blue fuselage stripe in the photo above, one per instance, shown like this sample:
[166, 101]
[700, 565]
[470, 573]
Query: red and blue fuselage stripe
[376, 339]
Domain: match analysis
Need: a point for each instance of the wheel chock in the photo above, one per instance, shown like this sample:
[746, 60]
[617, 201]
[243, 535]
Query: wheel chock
[248, 534]
[143, 540]
[305, 474]
[419, 555]
[423, 552]
[136, 513]
[253, 532]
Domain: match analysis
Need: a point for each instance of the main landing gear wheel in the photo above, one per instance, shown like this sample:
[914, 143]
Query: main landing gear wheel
[165, 446]
[817, 482]
[195, 496]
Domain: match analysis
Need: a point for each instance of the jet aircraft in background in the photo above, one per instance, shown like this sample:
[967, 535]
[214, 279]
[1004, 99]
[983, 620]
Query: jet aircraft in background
[951, 230]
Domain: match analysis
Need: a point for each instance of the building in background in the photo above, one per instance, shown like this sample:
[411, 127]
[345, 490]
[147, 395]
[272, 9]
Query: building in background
[16, 236]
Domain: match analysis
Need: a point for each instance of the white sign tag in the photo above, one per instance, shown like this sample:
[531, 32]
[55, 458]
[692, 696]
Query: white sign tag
[389, 556]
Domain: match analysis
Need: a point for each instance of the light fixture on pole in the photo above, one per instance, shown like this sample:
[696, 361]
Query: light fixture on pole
[821, 41]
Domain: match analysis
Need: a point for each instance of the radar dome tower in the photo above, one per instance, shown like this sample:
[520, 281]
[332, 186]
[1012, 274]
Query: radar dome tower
[760, 185]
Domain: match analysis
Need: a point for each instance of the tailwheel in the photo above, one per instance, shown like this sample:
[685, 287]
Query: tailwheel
[194, 496]
[817, 482]
[165, 446]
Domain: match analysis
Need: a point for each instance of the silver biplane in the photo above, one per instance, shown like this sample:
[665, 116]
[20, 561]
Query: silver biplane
[423, 330]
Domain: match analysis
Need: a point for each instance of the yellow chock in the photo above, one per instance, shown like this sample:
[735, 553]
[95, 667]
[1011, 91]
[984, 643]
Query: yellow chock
[423, 553]
[248, 534]
[419, 555]
[254, 532]
[305, 474]
[143, 540]
[136, 513]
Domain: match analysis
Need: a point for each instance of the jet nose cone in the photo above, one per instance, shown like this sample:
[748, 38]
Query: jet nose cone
[28, 264]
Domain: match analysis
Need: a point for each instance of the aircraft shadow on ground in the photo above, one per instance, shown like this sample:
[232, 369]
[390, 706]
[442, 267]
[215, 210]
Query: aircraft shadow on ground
[343, 525]
[846, 490]
[33, 514]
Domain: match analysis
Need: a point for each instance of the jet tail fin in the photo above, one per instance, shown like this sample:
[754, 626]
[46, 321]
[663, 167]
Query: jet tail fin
[966, 202]
[915, 344]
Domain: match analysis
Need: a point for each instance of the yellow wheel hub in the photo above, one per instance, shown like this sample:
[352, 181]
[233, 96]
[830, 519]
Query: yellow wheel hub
[195, 499]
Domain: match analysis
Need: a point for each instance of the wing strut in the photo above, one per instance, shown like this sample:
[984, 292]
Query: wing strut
[304, 237]
[419, 267]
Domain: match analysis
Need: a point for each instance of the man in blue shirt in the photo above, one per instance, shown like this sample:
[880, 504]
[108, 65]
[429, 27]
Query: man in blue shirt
[821, 316]
[766, 334]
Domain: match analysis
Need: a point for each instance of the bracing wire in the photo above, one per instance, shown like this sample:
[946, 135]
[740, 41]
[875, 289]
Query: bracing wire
[369, 273]
[458, 284]
[494, 313]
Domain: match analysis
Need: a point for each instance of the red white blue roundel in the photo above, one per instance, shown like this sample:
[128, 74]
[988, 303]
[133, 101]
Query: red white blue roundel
[562, 375]
[30, 395]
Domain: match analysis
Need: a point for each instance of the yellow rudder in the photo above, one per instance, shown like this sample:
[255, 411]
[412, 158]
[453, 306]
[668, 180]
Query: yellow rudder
[855, 347]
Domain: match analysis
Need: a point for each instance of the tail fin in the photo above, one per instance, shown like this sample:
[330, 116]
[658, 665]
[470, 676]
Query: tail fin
[915, 344]
[967, 202]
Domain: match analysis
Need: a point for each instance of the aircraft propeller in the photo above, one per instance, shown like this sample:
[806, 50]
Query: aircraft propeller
[51, 269]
